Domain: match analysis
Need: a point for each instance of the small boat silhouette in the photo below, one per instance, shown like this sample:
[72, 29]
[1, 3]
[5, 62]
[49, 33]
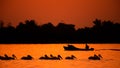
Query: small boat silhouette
[95, 57]
[6, 57]
[28, 57]
[51, 57]
[70, 57]
[73, 48]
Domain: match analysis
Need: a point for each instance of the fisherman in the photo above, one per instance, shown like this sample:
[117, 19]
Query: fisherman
[86, 47]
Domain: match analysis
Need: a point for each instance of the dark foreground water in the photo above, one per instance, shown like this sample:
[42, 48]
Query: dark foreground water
[110, 53]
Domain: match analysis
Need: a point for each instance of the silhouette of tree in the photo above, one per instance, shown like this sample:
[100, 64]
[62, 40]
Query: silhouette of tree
[65, 32]
[1, 24]
[27, 32]
[30, 32]
[97, 23]
[48, 32]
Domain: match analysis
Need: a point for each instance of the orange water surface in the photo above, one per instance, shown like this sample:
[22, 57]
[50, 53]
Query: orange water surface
[110, 53]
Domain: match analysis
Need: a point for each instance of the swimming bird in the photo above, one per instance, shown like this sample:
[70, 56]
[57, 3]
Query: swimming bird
[44, 57]
[70, 57]
[28, 57]
[95, 57]
[6, 57]
[51, 57]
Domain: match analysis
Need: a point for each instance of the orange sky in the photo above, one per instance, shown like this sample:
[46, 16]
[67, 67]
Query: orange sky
[78, 12]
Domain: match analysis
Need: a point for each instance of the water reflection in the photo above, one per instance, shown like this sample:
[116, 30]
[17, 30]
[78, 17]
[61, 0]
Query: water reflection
[110, 58]
[37, 50]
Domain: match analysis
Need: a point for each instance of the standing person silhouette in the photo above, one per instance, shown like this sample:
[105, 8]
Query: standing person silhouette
[86, 47]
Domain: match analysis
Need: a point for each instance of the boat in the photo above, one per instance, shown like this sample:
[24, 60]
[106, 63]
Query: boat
[73, 48]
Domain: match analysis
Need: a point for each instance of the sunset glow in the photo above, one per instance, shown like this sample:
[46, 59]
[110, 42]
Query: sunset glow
[59, 33]
[78, 12]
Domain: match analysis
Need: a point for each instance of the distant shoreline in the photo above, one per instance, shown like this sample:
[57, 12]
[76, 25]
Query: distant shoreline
[30, 32]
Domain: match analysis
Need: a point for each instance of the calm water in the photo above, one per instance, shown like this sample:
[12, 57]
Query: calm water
[111, 58]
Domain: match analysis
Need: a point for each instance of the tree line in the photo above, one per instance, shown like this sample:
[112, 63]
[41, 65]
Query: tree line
[30, 32]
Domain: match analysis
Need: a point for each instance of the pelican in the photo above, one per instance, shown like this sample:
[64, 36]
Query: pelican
[70, 57]
[6, 57]
[95, 57]
[51, 57]
[28, 57]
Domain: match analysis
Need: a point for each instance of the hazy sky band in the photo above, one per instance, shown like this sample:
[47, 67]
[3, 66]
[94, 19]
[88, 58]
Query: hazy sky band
[78, 12]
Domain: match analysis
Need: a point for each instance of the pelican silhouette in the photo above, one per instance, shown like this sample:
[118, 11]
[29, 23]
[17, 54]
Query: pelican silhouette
[95, 57]
[51, 57]
[6, 57]
[44, 57]
[28, 57]
[70, 57]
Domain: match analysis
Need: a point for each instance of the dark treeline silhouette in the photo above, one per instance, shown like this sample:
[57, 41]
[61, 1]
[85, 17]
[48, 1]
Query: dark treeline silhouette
[30, 32]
